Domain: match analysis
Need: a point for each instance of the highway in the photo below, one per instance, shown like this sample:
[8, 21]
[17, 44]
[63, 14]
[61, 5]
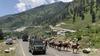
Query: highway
[23, 51]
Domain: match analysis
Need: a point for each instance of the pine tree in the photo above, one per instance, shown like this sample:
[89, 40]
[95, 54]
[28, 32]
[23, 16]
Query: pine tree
[82, 17]
[93, 17]
[74, 19]
[1, 34]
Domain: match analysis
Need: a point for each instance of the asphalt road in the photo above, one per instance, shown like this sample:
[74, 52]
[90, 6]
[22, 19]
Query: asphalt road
[23, 51]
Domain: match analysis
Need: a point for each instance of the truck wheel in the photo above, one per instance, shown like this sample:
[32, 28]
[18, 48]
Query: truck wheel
[29, 50]
[44, 52]
[32, 52]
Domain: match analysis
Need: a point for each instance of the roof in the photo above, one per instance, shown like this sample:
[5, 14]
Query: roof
[61, 29]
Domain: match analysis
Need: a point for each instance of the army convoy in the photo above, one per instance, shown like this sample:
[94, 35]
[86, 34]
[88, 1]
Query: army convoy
[35, 44]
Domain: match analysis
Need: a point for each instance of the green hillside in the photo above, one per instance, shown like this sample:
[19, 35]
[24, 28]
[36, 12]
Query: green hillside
[86, 11]
[86, 20]
[42, 15]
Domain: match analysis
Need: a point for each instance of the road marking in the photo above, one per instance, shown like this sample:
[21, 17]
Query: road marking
[22, 50]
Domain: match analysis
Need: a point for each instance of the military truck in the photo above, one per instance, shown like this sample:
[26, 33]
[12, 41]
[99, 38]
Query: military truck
[25, 37]
[37, 45]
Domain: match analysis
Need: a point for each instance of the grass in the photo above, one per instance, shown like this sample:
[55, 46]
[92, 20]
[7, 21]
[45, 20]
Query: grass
[3, 47]
[82, 24]
[1, 41]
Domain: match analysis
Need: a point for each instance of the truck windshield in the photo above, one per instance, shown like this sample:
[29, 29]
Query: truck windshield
[38, 42]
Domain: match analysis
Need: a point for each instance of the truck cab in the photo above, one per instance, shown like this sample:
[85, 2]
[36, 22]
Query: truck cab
[37, 45]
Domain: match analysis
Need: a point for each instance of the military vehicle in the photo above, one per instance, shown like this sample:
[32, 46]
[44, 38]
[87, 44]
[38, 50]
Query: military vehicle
[25, 37]
[37, 45]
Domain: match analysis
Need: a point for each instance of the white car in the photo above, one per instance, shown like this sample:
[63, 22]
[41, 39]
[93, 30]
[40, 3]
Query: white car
[9, 41]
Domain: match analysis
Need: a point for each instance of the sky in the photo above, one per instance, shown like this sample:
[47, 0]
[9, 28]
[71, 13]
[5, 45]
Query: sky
[16, 6]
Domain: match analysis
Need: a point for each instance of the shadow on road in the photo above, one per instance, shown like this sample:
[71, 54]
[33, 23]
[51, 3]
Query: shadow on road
[39, 53]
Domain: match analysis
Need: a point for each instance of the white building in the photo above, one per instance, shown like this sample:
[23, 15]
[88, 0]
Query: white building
[61, 31]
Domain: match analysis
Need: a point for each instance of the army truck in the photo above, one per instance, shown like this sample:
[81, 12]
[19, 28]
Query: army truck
[25, 37]
[37, 45]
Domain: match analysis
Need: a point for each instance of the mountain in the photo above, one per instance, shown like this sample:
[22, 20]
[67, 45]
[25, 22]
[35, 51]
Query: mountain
[79, 11]
[42, 15]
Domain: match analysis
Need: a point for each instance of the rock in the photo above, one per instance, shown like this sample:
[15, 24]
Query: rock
[87, 50]
[94, 50]
[12, 48]
[7, 51]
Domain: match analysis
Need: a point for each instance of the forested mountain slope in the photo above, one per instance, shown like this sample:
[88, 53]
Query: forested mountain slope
[42, 15]
[51, 14]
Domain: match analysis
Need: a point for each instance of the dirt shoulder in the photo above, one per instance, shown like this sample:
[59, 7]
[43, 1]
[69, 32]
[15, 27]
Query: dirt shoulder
[10, 48]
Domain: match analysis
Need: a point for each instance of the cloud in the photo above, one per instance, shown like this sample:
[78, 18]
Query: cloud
[52, 1]
[35, 3]
[21, 7]
[28, 4]
[66, 0]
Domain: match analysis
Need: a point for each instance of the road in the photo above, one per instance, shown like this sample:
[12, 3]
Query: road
[23, 51]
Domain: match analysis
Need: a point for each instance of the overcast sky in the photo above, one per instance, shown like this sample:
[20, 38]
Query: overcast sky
[16, 6]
